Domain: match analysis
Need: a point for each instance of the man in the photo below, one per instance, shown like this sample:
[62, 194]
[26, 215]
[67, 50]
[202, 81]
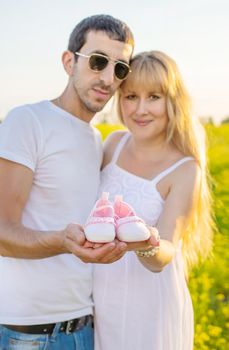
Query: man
[50, 159]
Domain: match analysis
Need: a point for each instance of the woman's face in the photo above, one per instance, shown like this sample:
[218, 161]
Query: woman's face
[144, 112]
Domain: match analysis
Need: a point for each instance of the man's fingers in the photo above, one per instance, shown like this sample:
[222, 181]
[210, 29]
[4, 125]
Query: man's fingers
[115, 254]
[91, 254]
[76, 243]
[75, 233]
[112, 258]
[106, 253]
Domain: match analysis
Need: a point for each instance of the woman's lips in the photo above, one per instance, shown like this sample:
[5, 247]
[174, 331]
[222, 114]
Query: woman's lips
[142, 122]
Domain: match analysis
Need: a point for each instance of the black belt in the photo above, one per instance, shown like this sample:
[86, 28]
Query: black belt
[66, 326]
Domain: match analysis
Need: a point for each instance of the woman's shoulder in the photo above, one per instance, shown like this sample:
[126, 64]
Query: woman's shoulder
[110, 144]
[187, 175]
[184, 165]
[114, 137]
[188, 165]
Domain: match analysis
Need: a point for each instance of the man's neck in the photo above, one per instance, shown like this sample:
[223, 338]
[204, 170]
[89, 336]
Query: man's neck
[74, 106]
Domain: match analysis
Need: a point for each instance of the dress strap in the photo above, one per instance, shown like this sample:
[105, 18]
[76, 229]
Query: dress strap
[119, 147]
[170, 169]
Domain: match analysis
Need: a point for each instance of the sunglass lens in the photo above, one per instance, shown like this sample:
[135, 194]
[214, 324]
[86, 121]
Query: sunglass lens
[97, 62]
[121, 71]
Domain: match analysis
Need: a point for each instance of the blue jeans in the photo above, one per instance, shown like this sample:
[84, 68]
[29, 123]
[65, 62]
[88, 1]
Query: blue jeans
[79, 340]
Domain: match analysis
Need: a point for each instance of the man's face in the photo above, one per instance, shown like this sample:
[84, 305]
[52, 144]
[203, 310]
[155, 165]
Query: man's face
[92, 90]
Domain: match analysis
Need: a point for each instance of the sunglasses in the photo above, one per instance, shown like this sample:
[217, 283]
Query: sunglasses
[98, 62]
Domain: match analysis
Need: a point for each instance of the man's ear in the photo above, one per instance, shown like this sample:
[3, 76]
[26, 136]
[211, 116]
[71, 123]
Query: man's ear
[68, 61]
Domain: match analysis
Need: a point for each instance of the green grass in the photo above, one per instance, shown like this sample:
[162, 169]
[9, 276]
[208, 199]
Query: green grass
[208, 283]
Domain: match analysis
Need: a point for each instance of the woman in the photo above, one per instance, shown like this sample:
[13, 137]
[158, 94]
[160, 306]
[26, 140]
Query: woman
[159, 166]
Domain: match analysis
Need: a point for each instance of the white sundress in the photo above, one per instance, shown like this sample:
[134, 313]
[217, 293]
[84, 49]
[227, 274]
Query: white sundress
[136, 309]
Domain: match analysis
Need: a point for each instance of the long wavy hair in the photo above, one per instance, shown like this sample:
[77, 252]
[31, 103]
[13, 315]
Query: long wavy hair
[154, 70]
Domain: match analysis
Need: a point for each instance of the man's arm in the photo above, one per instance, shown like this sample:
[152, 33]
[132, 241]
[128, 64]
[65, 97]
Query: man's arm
[19, 241]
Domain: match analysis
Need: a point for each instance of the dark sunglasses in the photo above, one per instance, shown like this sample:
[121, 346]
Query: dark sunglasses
[98, 62]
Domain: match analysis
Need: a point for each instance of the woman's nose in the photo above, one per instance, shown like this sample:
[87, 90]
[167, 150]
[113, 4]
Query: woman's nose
[142, 107]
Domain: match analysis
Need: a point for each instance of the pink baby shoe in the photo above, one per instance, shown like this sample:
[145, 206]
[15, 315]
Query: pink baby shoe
[129, 227]
[100, 225]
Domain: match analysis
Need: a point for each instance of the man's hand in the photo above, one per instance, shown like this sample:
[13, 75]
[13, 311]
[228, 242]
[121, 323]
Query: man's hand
[75, 242]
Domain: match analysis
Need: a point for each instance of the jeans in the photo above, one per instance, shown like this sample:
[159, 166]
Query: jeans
[79, 340]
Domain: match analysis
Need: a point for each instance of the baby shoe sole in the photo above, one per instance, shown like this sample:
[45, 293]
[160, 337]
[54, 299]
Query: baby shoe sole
[133, 232]
[100, 233]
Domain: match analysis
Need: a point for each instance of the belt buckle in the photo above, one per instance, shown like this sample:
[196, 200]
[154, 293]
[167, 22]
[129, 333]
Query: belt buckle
[81, 323]
[69, 327]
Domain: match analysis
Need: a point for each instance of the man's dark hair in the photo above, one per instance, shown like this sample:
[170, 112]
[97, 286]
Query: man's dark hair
[113, 27]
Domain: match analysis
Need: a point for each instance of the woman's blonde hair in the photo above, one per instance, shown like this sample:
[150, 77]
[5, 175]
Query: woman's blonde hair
[157, 72]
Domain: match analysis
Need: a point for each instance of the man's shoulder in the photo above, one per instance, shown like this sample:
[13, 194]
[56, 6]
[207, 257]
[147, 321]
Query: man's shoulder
[25, 111]
[96, 133]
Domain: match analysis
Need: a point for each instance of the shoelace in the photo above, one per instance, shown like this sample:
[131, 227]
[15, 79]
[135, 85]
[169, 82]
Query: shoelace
[105, 206]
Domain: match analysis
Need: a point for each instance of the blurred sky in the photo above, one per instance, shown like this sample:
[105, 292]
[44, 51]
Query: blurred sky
[195, 33]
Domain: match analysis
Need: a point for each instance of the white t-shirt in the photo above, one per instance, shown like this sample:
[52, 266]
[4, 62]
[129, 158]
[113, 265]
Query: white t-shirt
[65, 154]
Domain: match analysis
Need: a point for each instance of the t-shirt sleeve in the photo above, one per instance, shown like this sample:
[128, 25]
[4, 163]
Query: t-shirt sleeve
[21, 137]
